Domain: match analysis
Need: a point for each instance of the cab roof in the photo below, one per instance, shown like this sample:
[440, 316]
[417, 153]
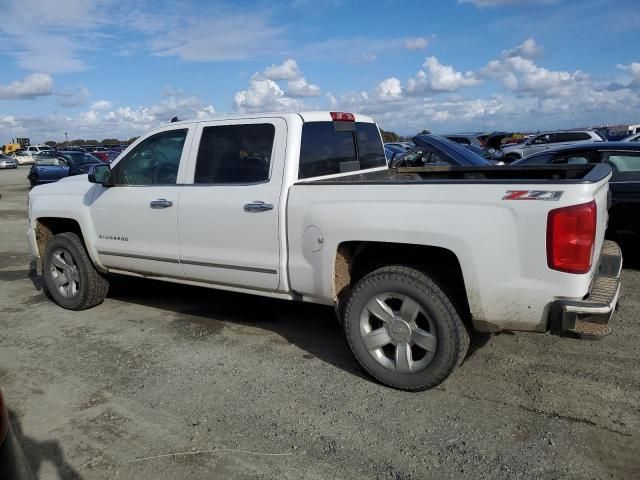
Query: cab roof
[308, 116]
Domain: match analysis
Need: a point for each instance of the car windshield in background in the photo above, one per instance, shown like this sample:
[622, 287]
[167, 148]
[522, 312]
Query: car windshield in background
[80, 158]
[47, 161]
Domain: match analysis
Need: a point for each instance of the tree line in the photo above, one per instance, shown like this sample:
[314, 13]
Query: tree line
[81, 142]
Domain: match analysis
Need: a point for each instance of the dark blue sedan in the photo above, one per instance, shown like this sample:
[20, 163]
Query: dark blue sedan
[64, 164]
[435, 150]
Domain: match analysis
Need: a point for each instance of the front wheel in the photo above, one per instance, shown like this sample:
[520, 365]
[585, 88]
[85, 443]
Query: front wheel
[70, 277]
[404, 329]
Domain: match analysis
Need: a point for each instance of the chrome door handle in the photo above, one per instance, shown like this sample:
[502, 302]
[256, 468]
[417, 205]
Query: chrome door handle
[257, 207]
[161, 203]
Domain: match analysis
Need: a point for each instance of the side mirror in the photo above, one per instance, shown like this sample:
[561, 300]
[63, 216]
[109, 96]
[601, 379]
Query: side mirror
[100, 174]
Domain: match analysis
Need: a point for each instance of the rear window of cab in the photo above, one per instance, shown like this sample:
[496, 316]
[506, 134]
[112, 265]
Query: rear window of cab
[328, 148]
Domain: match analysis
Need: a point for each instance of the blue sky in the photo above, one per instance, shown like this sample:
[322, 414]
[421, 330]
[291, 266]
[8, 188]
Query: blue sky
[107, 68]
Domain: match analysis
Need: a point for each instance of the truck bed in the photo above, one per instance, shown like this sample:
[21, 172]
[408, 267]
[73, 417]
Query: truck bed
[591, 173]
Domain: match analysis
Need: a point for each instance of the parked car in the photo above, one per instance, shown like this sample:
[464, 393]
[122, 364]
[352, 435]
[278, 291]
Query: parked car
[494, 156]
[95, 148]
[466, 139]
[13, 462]
[624, 160]
[66, 164]
[23, 157]
[74, 148]
[391, 151]
[545, 141]
[7, 162]
[435, 150]
[36, 149]
[101, 155]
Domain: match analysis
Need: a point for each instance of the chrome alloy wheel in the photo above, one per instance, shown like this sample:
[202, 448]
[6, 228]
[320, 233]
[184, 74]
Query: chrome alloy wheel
[64, 273]
[398, 333]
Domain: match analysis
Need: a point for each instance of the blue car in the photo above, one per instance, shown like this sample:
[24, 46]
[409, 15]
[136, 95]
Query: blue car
[434, 150]
[49, 169]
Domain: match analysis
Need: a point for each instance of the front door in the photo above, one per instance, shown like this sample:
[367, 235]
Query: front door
[228, 214]
[135, 220]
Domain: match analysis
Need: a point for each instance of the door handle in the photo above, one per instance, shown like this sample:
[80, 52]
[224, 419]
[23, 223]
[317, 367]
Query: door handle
[161, 203]
[257, 206]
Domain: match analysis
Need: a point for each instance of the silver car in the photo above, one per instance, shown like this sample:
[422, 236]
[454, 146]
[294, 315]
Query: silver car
[547, 140]
[7, 162]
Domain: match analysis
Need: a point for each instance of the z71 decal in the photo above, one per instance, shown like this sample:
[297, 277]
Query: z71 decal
[553, 195]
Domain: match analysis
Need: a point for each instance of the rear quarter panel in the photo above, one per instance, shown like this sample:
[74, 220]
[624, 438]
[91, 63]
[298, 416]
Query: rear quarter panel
[500, 244]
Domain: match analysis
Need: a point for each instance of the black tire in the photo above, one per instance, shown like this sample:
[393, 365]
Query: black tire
[92, 286]
[444, 323]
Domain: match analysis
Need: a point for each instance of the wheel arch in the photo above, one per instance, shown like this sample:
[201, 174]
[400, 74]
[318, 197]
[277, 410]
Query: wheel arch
[47, 227]
[355, 259]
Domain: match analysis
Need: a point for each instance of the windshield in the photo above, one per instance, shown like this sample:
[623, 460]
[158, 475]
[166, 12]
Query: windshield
[80, 158]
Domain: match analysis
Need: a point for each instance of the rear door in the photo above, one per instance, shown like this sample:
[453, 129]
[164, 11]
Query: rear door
[228, 213]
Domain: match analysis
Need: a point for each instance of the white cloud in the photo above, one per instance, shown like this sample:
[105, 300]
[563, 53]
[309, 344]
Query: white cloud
[439, 78]
[263, 95]
[527, 49]
[99, 122]
[633, 69]
[101, 105]
[416, 43]
[30, 87]
[389, 89]
[520, 74]
[288, 70]
[300, 88]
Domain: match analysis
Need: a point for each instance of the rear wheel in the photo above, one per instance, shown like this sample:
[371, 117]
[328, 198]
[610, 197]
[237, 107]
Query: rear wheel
[70, 277]
[404, 330]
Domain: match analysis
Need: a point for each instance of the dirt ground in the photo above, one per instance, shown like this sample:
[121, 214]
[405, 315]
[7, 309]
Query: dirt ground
[165, 381]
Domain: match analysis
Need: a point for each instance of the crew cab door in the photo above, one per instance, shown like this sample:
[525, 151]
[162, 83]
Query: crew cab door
[228, 213]
[135, 220]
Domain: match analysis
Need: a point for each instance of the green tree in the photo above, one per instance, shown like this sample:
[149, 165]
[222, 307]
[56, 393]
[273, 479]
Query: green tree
[389, 136]
[132, 139]
[425, 132]
[108, 141]
[50, 143]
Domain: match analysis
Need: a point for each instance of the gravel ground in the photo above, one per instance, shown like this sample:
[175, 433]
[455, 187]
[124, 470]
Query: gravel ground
[164, 381]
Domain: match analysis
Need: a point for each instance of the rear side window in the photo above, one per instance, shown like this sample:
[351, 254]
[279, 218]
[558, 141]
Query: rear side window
[235, 154]
[572, 136]
[326, 150]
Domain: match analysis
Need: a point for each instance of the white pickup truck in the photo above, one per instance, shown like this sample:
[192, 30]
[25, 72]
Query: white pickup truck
[301, 206]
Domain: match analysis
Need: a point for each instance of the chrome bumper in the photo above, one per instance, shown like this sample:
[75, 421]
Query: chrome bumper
[595, 311]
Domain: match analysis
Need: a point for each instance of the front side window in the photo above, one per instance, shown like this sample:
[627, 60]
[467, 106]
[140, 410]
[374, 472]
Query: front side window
[235, 154]
[155, 161]
[625, 166]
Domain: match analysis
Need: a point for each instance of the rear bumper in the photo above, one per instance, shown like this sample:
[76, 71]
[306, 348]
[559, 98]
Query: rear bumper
[599, 304]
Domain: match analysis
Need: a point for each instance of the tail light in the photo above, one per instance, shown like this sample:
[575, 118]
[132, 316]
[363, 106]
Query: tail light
[571, 235]
[342, 117]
